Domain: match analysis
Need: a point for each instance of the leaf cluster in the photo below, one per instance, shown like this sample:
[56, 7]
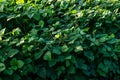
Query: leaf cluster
[59, 39]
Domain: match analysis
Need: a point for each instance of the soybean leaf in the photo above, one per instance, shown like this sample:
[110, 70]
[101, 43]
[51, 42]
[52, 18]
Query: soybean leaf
[47, 56]
[2, 67]
[89, 55]
[2, 32]
[65, 48]
[12, 52]
[20, 63]
[41, 23]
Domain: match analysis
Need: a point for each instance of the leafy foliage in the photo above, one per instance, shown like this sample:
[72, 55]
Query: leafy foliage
[59, 39]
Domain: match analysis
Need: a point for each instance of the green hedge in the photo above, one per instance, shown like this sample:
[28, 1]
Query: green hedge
[59, 40]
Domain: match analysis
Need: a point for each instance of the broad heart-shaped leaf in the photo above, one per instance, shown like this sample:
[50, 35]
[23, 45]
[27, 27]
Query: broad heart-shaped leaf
[81, 64]
[89, 55]
[47, 56]
[71, 70]
[67, 63]
[60, 69]
[2, 67]
[52, 63]
[12, 52]
[36, 16]
[13, 62]
[65, 48]
[13, 67]
[102, 70]
[56, 50]
[20, 63]
[101, 73]
[41, 23]
[8, 71]
[42, 72]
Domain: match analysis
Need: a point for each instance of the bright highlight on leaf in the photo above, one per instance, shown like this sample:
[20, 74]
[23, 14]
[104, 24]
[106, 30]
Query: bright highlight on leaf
[78, 48]
[57, 35]
[80, 14]
[20, 2]
[2, 0]
[2, 32]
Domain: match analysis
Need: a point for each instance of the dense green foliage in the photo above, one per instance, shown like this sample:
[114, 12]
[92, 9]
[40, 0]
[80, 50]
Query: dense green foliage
[59, 40]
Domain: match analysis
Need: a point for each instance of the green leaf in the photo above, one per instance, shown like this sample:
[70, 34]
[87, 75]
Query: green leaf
[65, 48]
[41, 23]
[19, 1]
[2, 32]
[74, 11]
[60, 69]
[117, 48]
[103, 39]
[8, 71]
[56, 50]
[52, 63]
[16, 77]
[112, 41]
[78, 48]
[1, 8]
[16, 31]
[101, 73]
[13, 61]
[89, 55]
[112, 36]
[68, 57]
[42, 72]
[81, 64]
[102, 69]
[12, 52]
[13, 64]
[20, 63]
[38, 55]
[47, 56]
[67, 63]
[86, 29]
[36, 16]
[13, 67]
[71, 70]
[2, 67]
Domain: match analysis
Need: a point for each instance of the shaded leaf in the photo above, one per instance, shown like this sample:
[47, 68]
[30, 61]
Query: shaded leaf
[89, 55]
[12, 52]
[47, 56]
[20, 63]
